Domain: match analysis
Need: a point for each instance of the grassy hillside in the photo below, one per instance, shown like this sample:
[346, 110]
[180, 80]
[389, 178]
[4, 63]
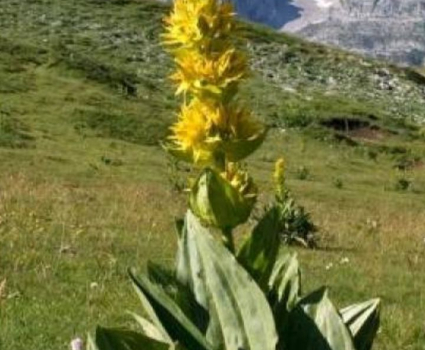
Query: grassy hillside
[85, 191]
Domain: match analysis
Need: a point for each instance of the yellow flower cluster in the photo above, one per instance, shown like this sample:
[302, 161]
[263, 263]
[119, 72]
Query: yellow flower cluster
[279, 171]
[205, 77]
[204, 129]
[199, 24]
[242, 181]
[279, 177]
[211, 129]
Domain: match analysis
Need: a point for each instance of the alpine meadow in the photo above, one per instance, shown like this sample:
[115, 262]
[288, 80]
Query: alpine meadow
[100, 157]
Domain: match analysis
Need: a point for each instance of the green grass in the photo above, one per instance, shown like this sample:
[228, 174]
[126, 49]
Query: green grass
[84, 186]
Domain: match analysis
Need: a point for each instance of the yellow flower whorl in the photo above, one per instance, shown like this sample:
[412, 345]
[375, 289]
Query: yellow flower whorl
[204, 76]
[204, 129]
[199, 24]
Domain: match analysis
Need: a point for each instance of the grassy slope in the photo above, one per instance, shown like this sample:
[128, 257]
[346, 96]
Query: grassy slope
[84, 190]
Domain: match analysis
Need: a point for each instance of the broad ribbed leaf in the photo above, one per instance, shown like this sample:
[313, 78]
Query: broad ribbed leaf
[119, 339]
[163, 310]
[151, 312]
[284, 287]
[189, 265]
[240, 315]
[180, 293]
[363, 322]
[258, 253]
[160, 274]
[315, 324]
[189, 270]
[149, 329]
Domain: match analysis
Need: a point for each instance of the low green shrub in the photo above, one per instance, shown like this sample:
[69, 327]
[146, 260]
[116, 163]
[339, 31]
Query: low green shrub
[303, 173]
[295, 224]
[338, 183]
[402, 184]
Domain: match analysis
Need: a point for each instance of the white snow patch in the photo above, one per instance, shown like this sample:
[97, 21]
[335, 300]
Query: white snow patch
[324, 3]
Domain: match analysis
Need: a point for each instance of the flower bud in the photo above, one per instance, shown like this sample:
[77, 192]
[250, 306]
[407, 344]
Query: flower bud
[217, 203]
[279, 172]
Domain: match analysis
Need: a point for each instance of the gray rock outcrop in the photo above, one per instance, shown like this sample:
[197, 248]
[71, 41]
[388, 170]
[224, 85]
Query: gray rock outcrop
[388, 29]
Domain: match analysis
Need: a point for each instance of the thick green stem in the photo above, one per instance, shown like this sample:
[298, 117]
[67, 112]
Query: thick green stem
[220, 162]
[228, 241]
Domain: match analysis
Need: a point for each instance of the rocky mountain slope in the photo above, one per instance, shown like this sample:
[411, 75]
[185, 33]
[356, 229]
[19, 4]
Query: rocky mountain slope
[389, 29]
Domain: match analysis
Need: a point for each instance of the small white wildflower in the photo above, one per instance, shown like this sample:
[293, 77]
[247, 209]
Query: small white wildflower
[94, 285]
[77, 344]
[329, 266]
[344, 261]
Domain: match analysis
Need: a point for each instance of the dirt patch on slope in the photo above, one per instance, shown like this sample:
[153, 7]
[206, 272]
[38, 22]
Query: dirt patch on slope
[357, 129]
[370, 133]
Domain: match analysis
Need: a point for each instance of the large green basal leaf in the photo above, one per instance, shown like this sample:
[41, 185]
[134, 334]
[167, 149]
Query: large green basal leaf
[315, 324]
[258, 253]
[363, 321]
[240, 315]
[189, 264]
[189, 270]
[284, 286]
[119, 339]
[180, 293]
[149, 329]
[168, 316]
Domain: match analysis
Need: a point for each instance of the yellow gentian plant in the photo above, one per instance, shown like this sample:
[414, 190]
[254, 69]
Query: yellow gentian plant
[212, 131]
[223, 298]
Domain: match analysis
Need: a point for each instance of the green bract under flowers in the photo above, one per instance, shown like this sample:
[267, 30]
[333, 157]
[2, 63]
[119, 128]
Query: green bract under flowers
[218, 203]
